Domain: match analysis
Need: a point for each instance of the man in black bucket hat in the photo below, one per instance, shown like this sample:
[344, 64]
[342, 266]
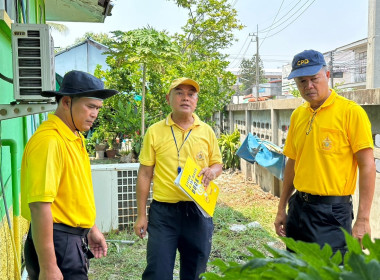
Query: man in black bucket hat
[56, 186]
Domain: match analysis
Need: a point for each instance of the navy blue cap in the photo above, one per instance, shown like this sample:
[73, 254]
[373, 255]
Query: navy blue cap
[81, 84]
[307, 63]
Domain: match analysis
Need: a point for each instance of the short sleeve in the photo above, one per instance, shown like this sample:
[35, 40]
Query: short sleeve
[359, 128]
[44, 167]
[147, 153]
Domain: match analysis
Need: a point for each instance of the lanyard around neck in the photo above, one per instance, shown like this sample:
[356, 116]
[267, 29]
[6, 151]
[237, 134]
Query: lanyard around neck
[178, 150]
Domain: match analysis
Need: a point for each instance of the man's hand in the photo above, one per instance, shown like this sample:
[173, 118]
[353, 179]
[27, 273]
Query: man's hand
[208, 175]
[97, 243]
[280, 223]
[51, 273]
[360, 228]
[140, 226]
[367, 177]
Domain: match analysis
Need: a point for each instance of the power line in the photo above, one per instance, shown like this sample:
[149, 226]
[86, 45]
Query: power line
[241, 49]
[265, 29]
[246, 50]
[292, 21]
[279, 9]
[272, 27]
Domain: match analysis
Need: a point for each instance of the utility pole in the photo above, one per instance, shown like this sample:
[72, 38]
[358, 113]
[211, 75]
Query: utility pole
[331, 70]
[257, 64]
[143, 101]
[373, 51]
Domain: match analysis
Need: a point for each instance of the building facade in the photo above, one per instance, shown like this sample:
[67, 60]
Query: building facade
[84, 56]
[20, 116]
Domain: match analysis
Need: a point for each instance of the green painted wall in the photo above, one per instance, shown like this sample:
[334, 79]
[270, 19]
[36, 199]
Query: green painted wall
[12, 129]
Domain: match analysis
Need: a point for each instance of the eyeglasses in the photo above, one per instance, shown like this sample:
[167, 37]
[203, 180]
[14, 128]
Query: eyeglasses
[308, 130]
[189, 95]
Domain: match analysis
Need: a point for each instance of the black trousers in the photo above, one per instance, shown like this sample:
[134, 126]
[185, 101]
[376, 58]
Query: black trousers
[319, 222]
[175, 226]
[71, 253]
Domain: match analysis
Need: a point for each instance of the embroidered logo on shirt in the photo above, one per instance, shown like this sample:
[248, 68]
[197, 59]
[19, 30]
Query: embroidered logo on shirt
[200, 156]
[326, 144]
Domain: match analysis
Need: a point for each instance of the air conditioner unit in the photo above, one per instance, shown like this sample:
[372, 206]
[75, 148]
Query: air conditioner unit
[115, 195]
[33, 61]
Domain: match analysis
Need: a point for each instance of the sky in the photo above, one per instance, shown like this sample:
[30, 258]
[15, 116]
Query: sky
[286, 27]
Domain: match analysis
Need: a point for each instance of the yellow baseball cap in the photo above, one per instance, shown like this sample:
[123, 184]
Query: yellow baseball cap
[183, 81]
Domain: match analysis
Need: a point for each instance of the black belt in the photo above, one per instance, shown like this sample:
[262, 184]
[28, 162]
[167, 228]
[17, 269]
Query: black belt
[175, 204]
[323, 199]
[72, 230]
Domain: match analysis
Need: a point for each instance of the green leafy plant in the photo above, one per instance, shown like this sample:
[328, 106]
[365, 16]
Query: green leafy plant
[137, 140]
[117, 119]
[111, 142]
[124, 152]
[229, 144]
[308, 261]
[90, 144]
[294, 91]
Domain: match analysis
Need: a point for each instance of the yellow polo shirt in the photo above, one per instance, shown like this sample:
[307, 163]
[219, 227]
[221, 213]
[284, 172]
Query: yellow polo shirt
[159, 150]
[324, 159]
[56, 168]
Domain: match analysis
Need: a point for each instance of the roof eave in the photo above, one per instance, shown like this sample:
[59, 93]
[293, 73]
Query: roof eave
[78, 10]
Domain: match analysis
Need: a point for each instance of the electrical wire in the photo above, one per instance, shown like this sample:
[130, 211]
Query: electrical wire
[243, 56]
[9, 80]
[246, 50]
[292, 21]
[270, 28]
[231, 62]
[279, 9]
[278, 22]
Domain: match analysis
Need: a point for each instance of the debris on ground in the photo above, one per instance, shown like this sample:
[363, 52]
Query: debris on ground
[235, 190]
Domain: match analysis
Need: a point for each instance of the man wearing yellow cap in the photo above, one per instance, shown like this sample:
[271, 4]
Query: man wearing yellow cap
[56, 186]
[175, 222]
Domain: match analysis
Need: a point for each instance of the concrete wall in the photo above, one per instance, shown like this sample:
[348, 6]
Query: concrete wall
[270, 121]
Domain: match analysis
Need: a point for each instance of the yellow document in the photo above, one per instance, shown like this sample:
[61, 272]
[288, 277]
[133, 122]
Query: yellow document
[189, 182]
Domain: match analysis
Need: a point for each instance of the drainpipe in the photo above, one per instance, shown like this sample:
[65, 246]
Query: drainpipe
[41, 118]
[25, 130]
[15, 199]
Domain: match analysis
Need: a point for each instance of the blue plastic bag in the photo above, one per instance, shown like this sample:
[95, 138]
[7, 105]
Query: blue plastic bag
[253, 149]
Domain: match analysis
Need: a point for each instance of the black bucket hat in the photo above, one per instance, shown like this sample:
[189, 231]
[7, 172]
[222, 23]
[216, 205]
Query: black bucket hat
[81, 84]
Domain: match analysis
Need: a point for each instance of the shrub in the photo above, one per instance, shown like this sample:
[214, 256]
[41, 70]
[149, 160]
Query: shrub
[229, 144]
[308, 262]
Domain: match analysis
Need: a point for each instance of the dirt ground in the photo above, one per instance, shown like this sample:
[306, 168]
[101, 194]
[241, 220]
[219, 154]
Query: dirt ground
[249, 199]
[236, 191]
[241, 194]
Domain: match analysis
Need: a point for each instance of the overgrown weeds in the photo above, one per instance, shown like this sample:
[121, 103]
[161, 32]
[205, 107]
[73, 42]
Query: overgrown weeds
[127, 261]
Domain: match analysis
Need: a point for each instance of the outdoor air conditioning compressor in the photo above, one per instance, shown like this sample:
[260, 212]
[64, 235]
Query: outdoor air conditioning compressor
[33, 62]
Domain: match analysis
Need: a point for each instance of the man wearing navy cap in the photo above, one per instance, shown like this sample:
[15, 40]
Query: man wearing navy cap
[56, 185]
[329, 139]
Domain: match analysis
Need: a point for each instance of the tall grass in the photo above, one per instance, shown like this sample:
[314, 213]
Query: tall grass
[128, 261]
